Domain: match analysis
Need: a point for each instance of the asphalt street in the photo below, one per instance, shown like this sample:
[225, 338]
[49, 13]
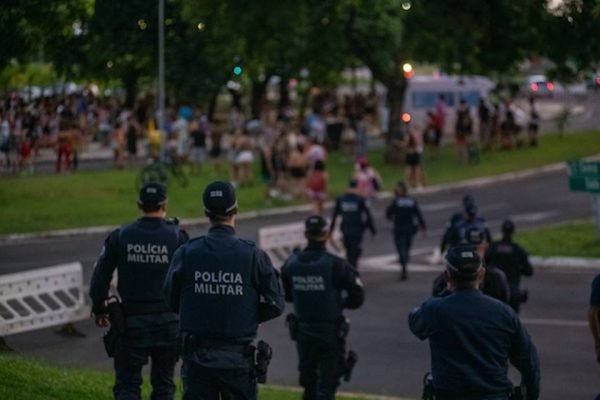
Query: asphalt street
[392, 361]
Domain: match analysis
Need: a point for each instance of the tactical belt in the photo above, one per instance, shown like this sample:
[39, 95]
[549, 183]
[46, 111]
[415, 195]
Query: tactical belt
[193, 344]
[446, 395]
[131, 309]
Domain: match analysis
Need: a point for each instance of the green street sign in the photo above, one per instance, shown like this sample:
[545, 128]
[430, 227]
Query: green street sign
[584, 168]
[584, 176]
[590, 184]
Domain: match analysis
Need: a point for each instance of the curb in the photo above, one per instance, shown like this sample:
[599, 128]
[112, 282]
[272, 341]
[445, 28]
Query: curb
[565, 263]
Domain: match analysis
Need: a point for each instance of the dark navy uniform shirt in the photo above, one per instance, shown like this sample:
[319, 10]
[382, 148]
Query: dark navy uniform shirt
[510, 258]
[405, 213]
[471, 338]
[141, 252]
[223, 287]
[457, 227]
[595, 296]
[320, 284]
[355, 213]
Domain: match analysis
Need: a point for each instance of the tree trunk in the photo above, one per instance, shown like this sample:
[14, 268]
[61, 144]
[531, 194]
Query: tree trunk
[284, 95]
[259, 88]
[236, 99]
[131, 89]
[212, 106]
[304, 103]
[395, 130]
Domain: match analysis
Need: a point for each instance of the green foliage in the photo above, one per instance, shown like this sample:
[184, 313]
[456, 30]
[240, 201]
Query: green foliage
[41, 203]
[576, 239]
[32, 380]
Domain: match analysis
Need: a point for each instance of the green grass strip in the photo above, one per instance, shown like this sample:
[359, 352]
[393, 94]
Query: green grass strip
[49, 202]
[576, 239]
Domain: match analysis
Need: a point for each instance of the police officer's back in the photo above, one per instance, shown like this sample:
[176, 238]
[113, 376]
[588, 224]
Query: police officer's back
[141, 252]
[513, 260]
[321, 285]
[356, 218]
[473, 336]
[223, 287]
[457, 227]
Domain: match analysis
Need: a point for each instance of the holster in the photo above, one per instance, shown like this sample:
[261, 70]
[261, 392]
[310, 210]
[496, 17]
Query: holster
[291, 321]
[263, 355]
[112, 338]
[348, 366]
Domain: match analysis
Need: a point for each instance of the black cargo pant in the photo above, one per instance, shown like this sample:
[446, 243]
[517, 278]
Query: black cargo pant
[353, 246]
[403, 242]
[203, 383]
[320, 363]
[157, 344]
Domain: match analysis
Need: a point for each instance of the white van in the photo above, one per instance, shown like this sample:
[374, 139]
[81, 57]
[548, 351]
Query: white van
[423, 92]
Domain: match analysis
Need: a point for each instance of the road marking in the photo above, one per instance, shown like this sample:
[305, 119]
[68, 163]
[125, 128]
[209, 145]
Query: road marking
[554, 322]
[445, 205]
[533, 217]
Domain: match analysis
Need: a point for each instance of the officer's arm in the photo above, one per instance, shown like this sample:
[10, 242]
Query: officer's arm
[594, 321]
[172, 284]
[272, 303]
[421, 321]
[348, 279]
[183, 237]
[446, 238]
[367, 212]
[288, 289]
[336, 211]
[503, 285]
[524, 357]
[420, 217]
[103, 273]
[526, 267]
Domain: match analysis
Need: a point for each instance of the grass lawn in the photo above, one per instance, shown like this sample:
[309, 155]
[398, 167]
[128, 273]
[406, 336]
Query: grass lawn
[26, 379]
[40, 203]
[576, 239]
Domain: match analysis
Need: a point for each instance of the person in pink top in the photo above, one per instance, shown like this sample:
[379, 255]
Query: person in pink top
[368, 179]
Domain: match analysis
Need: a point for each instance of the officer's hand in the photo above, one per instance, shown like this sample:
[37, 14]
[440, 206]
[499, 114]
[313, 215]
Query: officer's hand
[102, 320]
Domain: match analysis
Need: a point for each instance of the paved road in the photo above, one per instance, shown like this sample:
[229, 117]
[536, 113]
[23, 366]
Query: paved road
[392, 360]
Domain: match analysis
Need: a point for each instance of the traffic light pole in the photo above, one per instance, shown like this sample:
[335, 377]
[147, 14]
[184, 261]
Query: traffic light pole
[161, 69]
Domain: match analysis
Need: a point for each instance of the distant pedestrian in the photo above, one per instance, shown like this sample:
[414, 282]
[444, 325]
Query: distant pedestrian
[132, 139]
[463, 130]
[63, 146]
[198, 153]
[356, 218]
[406, 215]
[367, 178]
[118, 145]
[534, 123]
[513, 260]
[484, 115]
[316, 186]
[415, 176]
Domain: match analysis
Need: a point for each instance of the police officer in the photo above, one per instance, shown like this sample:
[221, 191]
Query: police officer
[513, 260]
[223, 287]
[405, 213]
[494, 283]
[472, 337]
[455, 231]
[140, 252]
[321, 286]
[455, 219]
[356, 217]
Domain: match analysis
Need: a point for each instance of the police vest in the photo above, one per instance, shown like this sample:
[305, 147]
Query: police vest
[145, 251]
[404, 214]
[506, 256]
[219, 297]
[316, 299]
[351, 210]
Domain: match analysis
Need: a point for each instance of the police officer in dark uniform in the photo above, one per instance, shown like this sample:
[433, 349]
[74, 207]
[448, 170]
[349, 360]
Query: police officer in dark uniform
[321, 285]
[405, 213]
[140, 252]
[223, 287]
[457, 226]
[494, 283]
[513, 260]
[472, 337]
[455, 219]
[356, 217]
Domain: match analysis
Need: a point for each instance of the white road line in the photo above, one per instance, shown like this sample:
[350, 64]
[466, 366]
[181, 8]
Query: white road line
[445, 205]
[533, 217]
[554, 322]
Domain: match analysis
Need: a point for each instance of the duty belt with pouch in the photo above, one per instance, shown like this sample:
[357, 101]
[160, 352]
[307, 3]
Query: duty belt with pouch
[260, 354]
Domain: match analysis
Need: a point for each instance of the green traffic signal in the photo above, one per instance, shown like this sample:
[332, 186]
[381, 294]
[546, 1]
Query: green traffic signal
[237, 70]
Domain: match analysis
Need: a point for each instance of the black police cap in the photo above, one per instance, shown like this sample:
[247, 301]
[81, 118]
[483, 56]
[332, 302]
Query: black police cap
[315, 224]
[474, 236]
[463, 260]
[471, 209]
[468, 200]
[219, 198]
[153, 194]
[508, 226]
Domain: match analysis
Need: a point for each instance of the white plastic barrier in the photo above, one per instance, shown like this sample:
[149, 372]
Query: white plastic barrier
[279, 241]
[42, 298]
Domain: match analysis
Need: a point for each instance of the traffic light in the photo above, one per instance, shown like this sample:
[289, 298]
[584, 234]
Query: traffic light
[237, 70]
